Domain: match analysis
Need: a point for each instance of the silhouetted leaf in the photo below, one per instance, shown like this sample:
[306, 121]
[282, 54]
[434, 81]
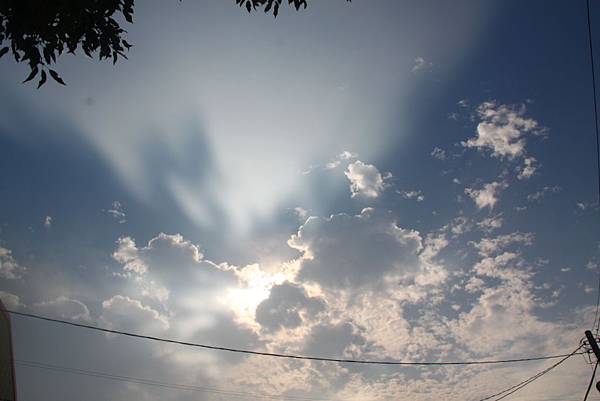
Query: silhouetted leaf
[42, 79]
[56, 77]
[91, 26]
[47, 57]
[31, 75]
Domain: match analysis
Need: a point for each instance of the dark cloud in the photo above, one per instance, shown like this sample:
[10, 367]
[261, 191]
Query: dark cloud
[350, 251]
[333, 340]
[285, 307]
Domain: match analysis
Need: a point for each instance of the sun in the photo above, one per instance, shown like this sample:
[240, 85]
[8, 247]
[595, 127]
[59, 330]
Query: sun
[255, 286]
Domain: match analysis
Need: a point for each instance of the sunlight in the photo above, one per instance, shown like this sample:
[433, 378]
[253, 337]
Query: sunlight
[255, 287]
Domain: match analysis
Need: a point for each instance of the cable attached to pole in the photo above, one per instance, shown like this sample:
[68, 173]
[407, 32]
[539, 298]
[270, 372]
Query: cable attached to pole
[591, 381]
[288, 356]
[513, 389]
[596, 325]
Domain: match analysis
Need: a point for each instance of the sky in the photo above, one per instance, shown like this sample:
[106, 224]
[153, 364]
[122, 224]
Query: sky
[382, 180]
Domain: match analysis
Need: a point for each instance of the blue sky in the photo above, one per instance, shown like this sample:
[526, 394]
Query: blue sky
[407, 180]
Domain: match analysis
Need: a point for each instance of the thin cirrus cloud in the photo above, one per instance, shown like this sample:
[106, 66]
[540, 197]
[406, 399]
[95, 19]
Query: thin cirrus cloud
[214, 97]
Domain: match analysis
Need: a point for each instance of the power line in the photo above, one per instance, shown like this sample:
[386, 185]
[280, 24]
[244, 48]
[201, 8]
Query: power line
[505, 393]
[589, 26]
[288, 356]
[587, 392]
[185, 387]
[155, 383]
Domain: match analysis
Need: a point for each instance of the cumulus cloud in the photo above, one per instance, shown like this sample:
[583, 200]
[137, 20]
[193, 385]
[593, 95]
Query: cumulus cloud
[487, 196]
[127, 254]
[286, 307]
[171, 286]
[123, 313]
[9, 268]
[502, 130]
[164, 251]
[348, 251]
[365, 180]
[63, 308]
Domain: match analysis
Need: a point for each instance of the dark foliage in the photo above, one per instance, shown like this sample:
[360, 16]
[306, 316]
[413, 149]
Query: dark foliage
[37, 32]
[271, 5]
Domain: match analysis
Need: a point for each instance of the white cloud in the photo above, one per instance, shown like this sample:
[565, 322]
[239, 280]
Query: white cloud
[117, 212]
[529, 168]
[587, 205]
[301, 213]
[365, 180]
[490, 246]
[9, 268]
[491, 223]
[10, 301]
[539, 195]
[438, 153]
[127, 254]
[416, 195]
[459, 225]
[171, 262]
[170, 277]
[48, 221]
[123, 313]
[63, 308]
[502, 130]
[475, 284]
[421, 64]
[488, 195]
[345, 156]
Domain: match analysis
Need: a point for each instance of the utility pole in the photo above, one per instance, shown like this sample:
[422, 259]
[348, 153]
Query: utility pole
[8, 387]
[594, 346]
